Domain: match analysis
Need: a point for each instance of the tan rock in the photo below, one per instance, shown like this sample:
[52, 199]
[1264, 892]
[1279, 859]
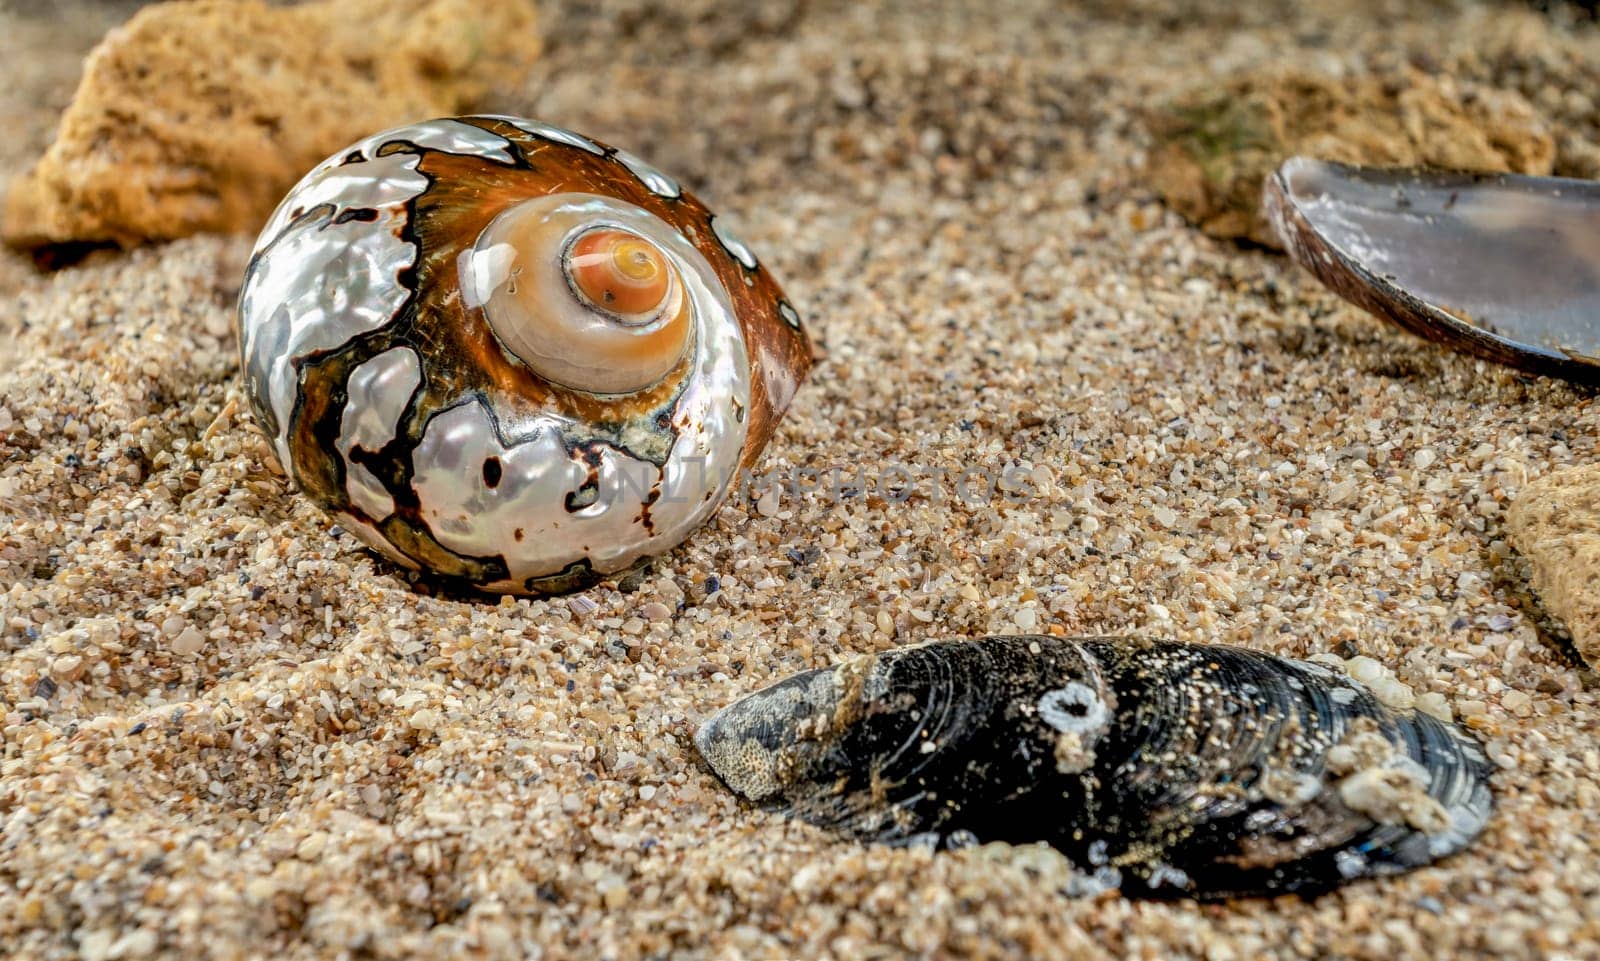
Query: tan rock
[1555, 523]
[1216, 144]
[199, 116]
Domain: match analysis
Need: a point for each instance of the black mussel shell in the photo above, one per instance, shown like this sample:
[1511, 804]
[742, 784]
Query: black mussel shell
[1503, 266]
[1166, 769]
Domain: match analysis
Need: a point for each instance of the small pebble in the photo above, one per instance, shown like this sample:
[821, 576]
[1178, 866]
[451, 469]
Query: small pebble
[188, 643]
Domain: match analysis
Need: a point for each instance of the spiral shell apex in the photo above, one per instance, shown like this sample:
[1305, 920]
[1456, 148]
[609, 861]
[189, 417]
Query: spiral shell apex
[509, 355]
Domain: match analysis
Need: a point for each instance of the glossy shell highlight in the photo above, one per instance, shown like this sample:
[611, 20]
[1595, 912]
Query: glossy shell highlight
[1162, 769]
[437, 368]
[1503, 266]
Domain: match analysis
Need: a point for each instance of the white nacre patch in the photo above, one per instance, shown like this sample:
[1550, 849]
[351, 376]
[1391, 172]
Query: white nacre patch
[732, 244]
[659, 183]
[379, 390]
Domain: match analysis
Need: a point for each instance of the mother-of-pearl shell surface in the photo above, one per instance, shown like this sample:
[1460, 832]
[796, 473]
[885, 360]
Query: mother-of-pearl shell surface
[392, 401]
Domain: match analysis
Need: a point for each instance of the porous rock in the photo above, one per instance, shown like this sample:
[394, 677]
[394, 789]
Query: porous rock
[1555, 523]
[195, 117]
[1216, 143]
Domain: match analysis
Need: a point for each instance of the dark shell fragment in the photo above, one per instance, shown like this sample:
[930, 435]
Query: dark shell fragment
[1503, 266]
[1166, 769]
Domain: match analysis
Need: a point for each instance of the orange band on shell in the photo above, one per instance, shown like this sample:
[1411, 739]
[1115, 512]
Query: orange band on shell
[619, 272]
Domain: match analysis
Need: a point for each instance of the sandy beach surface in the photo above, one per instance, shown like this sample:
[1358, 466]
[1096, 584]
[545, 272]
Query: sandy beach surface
[230, 732]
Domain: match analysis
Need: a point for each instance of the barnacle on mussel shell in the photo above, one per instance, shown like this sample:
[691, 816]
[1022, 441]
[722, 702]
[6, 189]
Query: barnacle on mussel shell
[1504, 266]
[1166, 769]
[510, 355]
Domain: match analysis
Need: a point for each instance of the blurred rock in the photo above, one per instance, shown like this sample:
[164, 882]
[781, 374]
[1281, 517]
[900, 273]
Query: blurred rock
[199, 116]
[1214, 145]
[1555, 523]
[1556, 70]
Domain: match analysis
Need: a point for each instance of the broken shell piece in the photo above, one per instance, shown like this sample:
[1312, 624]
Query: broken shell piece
[1503, 266]
[1178, 769]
